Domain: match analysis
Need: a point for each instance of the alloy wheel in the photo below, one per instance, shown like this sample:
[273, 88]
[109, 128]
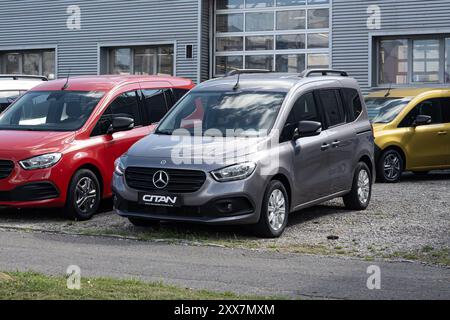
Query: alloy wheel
[86, 194]
[277, 209]
[363, 186]
[392, 166]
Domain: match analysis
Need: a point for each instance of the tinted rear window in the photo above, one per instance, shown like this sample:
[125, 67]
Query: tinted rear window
[332, 106]
[353, 102]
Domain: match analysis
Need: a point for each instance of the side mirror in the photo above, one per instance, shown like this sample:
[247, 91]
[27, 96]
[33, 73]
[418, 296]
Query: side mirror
[121, 124]
[307, 129]
[422, 120]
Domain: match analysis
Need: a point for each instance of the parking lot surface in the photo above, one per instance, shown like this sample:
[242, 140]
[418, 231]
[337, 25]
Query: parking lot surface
[409, 220]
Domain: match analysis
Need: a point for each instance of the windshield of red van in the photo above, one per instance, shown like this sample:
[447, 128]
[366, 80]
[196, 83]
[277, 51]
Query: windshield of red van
[50, 111]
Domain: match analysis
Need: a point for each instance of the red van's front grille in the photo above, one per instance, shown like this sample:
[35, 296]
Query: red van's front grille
[6, 167]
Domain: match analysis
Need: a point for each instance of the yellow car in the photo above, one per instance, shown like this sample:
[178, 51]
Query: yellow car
[412, 131]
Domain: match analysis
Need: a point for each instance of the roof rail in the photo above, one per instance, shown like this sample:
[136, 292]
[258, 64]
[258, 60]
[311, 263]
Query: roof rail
[324, 72]
[23, 76]
[246, 71]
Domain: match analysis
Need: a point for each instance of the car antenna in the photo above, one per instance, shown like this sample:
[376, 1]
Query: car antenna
[236, 86]
[66, 85]
[388, 92]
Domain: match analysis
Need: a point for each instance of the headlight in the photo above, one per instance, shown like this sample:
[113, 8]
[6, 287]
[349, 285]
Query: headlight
[119, 167]
[41, 162]
[235, 172]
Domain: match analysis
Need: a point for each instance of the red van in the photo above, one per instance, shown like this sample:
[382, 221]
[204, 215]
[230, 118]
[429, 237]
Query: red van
[59, 141]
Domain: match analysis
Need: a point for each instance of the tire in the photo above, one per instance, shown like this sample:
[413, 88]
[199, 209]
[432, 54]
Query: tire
[143, 222]
[268, 227]
[390, 166]
[84, 185]
[359, 196]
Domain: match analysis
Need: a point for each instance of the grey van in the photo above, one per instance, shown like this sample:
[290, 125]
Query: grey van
[249, 149]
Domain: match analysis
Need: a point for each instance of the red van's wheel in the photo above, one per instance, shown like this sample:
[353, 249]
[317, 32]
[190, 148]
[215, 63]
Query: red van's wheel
[84, 195]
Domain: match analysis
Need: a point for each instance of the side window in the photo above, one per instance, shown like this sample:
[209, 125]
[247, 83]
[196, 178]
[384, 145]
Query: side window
[125, 105]
[304, 109]
[353, 103]
[178, 94]
[445, 103]
[155, 105]
[170, 98]
[432, 108]
[332, 106]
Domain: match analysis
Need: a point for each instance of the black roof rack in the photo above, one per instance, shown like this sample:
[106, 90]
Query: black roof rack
[246, 71]
[22, 76]
[323, 72]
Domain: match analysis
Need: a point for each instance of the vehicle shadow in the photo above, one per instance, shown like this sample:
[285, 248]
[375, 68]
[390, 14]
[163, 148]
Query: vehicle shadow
[239, 232]
[315, 213]
[38, 215]
[431, 176]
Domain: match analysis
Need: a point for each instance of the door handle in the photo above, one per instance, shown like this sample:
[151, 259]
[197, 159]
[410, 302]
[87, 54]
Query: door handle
[442, 133]
[325, 146]
[336, 144]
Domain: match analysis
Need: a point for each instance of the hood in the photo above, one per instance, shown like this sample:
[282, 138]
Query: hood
[19, 144]
[177, 150]
[377, 127]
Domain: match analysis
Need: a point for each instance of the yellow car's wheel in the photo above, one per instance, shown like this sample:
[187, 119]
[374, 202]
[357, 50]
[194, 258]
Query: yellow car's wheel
[390, 166]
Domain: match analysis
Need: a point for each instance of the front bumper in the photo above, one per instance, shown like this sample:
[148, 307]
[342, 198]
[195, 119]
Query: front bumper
[216, 203]
[33, 189]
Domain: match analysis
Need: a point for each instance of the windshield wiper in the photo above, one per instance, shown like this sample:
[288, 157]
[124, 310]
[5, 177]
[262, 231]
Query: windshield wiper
[164, 132]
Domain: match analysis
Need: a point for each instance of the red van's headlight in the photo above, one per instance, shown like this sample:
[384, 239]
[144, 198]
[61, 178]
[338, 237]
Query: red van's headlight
[41, 162]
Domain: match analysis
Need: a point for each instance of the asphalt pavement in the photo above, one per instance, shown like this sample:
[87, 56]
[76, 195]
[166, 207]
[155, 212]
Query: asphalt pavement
[221, 269]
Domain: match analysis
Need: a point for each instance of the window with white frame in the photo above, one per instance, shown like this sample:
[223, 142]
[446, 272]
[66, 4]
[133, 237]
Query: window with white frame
[413, 60]
[30, 62]
[142, 60]
[277, 35]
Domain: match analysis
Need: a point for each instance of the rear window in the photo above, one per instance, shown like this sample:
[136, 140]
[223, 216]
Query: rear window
[446, 109]
[353, 102]
[332, 106]
[179, 93]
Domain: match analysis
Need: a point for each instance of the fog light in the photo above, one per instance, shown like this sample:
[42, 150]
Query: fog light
[239, 205]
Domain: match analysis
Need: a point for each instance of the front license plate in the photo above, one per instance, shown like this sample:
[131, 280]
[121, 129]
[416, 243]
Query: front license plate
[160, 200]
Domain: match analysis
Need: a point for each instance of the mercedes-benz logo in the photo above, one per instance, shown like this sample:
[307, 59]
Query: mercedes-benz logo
[160, 179]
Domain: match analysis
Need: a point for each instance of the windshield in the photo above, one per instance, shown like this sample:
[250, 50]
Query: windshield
[384, 110]
[50, 111]
[223, 114]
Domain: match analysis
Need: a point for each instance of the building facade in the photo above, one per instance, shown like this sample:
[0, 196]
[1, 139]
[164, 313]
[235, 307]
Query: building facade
[379, 42]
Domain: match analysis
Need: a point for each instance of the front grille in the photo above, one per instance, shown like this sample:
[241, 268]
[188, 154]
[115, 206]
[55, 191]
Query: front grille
[180, 181]
[6, 167]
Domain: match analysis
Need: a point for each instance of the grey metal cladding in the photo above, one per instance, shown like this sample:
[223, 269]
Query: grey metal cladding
[206, 36]
[350, 39]
[40, 24]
